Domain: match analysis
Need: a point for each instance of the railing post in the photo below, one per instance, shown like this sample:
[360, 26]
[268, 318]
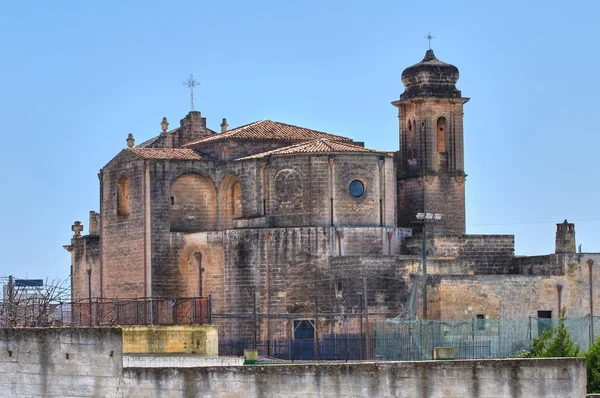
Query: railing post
[254, 318]
[316, 329]
[174, 311]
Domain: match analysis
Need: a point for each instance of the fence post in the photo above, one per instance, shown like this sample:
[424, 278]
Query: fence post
[473, 338]
[590, 263]
[316, 329]
[360, 342]
[254, 317]
[210, 320]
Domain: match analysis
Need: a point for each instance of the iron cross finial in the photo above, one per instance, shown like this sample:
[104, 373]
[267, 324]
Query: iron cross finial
[429, 38]
[191, 83]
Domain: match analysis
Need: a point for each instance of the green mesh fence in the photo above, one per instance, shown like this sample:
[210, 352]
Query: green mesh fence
[401, 340]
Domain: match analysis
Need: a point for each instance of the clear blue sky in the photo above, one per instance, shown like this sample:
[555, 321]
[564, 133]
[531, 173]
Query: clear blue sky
[77, 77]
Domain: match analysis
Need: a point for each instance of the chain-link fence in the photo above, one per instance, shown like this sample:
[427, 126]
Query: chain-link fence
[471, 339]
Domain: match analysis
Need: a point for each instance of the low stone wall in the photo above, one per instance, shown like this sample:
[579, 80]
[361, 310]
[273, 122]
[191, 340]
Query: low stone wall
[70, 362]
[190, 339]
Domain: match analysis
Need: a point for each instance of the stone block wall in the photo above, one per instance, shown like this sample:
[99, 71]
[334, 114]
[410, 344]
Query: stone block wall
[123, 246]
[431, 179]
[193, 204]
[85, 253]
[480, 254]
[364, 210]
[517, 296]
[297, 191]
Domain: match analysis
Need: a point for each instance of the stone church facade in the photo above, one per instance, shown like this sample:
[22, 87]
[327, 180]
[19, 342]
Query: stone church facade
[286, 214]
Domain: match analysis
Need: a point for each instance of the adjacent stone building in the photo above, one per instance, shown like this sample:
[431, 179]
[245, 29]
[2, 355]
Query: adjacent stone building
[282, 214]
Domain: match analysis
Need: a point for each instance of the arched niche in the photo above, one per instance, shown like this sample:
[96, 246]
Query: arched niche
[123, 197]
[193, 204]
[230, 201]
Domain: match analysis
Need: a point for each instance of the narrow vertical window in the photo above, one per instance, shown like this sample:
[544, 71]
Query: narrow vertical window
[442, 144]
[441, 134]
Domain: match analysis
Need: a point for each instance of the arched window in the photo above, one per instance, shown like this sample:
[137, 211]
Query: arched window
[409, 126]
[230, 201]
[193, 203]
[123, 197]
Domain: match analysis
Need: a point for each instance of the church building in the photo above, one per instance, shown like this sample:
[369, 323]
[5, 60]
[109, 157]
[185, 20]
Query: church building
[267, 216]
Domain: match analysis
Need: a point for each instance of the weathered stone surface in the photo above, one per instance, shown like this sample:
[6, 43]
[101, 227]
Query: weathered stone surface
[88, 362]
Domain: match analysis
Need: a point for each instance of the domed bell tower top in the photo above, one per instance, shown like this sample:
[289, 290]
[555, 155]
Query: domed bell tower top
[430, 78]
[430, 162]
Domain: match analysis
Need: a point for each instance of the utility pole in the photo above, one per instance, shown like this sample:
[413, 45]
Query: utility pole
[365, 296]
[254, 317]
[360, 345]
[11, 301]
[424, 218]
[316, 327]
[590, 263]
[89, 274]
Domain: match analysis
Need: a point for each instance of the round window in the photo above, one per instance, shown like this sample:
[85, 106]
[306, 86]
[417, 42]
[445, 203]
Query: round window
[357, 188]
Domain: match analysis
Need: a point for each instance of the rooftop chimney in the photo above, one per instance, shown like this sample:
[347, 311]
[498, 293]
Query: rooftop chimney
[93, 222]
[565, 238]
[224, 125]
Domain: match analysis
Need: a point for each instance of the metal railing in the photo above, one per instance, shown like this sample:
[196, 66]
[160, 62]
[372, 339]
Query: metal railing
[106, 312]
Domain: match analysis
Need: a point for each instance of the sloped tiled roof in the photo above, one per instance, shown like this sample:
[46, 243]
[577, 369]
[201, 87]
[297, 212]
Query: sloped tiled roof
[269, 130]
[166, 153]
[322, 145]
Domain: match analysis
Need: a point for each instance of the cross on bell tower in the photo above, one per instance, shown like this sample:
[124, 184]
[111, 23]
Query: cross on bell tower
[191, 83]
[429, 38]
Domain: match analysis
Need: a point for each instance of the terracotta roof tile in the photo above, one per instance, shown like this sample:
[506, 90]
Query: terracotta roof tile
[321, 145]
[269, 130]
[166, 153]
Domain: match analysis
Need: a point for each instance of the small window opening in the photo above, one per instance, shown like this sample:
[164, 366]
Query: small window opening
[339, 287]
[480, 322]
[544, 321]
[441, 134]
[172, 200]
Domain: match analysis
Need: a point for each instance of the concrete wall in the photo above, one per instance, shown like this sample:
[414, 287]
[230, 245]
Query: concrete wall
[88, 362]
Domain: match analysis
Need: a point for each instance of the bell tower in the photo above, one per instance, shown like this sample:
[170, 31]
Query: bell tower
[430, 162]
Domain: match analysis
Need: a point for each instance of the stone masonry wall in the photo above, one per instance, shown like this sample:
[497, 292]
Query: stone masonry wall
[85, 253]
[297, 191]
[87, 362]
[123, 253]
[518, 296]
[480, 254]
